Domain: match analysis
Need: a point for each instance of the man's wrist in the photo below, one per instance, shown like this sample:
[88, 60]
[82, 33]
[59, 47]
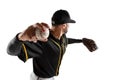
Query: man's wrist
[19, 36]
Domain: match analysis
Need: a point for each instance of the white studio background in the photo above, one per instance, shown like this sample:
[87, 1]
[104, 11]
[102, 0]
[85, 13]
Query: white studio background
[96, 19]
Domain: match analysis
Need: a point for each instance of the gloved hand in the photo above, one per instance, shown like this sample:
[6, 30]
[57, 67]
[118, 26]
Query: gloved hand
[90, 44]
[29, 33]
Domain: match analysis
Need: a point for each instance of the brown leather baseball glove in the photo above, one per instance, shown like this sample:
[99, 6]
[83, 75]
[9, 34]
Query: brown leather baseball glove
[90, 44]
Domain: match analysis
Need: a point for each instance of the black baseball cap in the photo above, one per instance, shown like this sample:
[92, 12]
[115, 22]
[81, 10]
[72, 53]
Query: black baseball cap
[61, 17]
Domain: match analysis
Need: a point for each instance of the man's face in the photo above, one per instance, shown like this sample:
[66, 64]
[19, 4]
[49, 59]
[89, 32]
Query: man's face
[65, 29]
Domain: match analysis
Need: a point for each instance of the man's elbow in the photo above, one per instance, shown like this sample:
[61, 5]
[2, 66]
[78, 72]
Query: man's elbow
[12, 51]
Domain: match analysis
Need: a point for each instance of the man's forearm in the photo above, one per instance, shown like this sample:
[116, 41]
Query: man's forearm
[70, 40]
[14, 47]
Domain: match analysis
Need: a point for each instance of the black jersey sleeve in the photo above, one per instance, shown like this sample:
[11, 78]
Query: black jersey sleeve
[14, 47]
[71, 40]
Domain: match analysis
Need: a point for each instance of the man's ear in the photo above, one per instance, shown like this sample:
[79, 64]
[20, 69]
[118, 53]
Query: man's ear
[64, 25]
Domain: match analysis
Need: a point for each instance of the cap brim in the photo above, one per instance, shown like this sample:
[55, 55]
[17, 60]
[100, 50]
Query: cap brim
[72, 21]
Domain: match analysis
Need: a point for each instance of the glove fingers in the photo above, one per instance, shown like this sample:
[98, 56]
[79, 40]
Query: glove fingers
[90, 44]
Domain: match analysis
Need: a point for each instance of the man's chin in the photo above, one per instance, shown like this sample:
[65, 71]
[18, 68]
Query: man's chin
[65, 32]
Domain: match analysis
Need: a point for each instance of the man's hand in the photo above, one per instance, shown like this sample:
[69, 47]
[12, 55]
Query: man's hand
[90, 44]
[29, 33]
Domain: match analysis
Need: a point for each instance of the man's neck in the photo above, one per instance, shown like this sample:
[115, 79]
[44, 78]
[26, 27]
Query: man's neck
[57, 34]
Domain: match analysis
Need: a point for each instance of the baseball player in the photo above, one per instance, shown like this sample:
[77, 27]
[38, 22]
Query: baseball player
[47, 52]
